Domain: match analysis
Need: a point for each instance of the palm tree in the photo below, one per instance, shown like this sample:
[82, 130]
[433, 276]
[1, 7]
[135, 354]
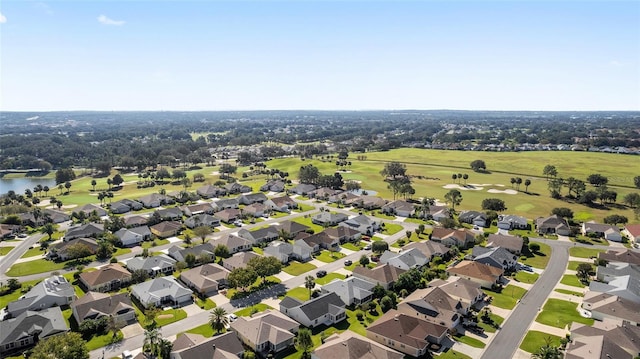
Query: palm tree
[48, 229]
[67, 185]
[527, 183]
[45, 189]
[547, 351]
[109, 183]
[309, 283]
[218, 319]
[152, 339]
[60, 187]
[93, 184]
[304, 342]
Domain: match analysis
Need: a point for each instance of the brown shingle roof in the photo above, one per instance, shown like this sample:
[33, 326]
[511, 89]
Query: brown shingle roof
[627, 256]
[380, 274]
[106, 274]
[476, 270]
[406, 329]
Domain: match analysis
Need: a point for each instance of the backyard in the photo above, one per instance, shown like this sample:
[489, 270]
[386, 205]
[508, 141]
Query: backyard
[560, 313]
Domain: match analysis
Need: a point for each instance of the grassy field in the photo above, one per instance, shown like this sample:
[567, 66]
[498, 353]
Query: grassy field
[5, 250]
[535, 339]
[260, 307]
[328, 278]
[299, 293]
[583, 252]
[32, 252]
[391, 228]
[206, 304]
[508, 298]
[328, 256]
[569, 292]
[488, 328]
[573, 265]
[205, 330]
[169, 316]
[560, 313]
[540, 258]
[469, 341]
[296, 268]
[34, 267]
[572, 280]
[526, 277]
[452, 354]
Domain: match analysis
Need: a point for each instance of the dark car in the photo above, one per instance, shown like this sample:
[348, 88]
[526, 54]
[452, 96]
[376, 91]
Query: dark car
[321, 273]
[348, 262]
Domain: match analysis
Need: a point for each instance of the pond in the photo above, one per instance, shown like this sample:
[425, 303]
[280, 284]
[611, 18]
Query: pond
[367, 191]
[20, 184]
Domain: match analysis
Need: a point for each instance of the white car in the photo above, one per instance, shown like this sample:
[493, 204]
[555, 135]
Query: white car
[232, 317]
[367, 247]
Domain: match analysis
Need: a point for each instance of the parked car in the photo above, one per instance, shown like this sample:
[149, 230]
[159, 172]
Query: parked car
[348, 262]
[232, 317]
[367, 247]
[375, 258]
[321, 273]
[22, 235]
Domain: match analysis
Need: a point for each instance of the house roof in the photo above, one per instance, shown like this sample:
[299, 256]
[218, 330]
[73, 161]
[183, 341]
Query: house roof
[340, 232]
[592, 227]
[330, 217]
[43, 323]
[292, 227]
[460, 236]
[149, 263]
[499, 255]
[94, 304]
[437, 305]
[614, 335]
[319, 238]
[227, 214]
[255, 208]
[206, 276]
[511, 243]
[381, 274]
[633, 229]
[428, 248]
[166, 226]
[106, 274]
[269, 326]
[553, 221]
[513, 219]
[231, 241]
[352, 288]
[349, 345]
[198, 207]
[225, 202]
[411, 258]
[158, 288]
[626, 256]
[399, 205]
[613, 305]
[180, 253]
[62, 247]
[406, 329]
[135, 220]
[88, 208]
[195, 346]
[280, 201]
[460, 288]
[468, 216]
[476, 270]
[255, 197]
[241, 259]
[278, 247]
[85, 230]
[317, 307]
[54, 286]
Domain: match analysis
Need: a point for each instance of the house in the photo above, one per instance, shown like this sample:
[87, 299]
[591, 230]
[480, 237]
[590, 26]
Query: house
[169, 214]
[279, 249]
[434, 305]
[227, 203]
[272, 186]
[8, 230]
[180, 253]
[468, 292]
[236, 187]
[209, 191]
[473, 217]
[199, 208]
[302, 251]
[496, 257]
[30, 219]
[124, 206]
[362, 224]
[160, 292]
[233, 243]
[75, 248]
[632, 231]
[160, 264]
[603, 340]
[509, 222]
[228, 215]
[255, 210]
[261, 235]
[89, 209]
[54, 291]
[606, 306]
[239, 260]
[56, 216]
[324, 193]
[327, 219]
[202, 219]
[625, 256]
[133, 236]
[322, 241]
[553, 225]
[483, 274]
[399, 207]
[369, 202]
[302, 189]
[89, 230]
[430, 249]
[437, 213]
[281, 204]
[386, 275]
[461, 238]
[252, 198]
[196, 346]
[135, 221]
[292, 227]
[606, 231]
[327, 309]
[206, 279]
[94, 305]
[407, 334]
[343, 234]
[351, 290]
[513, 244]
[110, 277]
[154, 200]
[266, 333]
[30, 327]
[349, 345]
[346, 198]
[166, 229]
[406, 260]
[621, 279]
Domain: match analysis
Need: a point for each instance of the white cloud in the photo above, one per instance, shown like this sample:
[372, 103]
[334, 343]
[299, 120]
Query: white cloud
[3, 19]
[615, 63]
[103, 19]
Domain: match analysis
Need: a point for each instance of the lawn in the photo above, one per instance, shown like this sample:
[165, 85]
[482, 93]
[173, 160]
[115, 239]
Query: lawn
[583, 252]
[573, 265]
[205, 304]
[535, 339]
[205, 330]
[304, 207]
[5, 250]
[257, 250]
[526, 277]
[34, 267]
[560, 313]
[391, 228]
[32, 252]
[469, 341]
[296, 268]
[329, 256]
[569, 292]
[489, 328]
[99, 341]
[257, 308]
[160, 242]
[352, 247]
[360, 326]
[572, 280]
[452, 354]
[356, 263]
[508, 298]
[5, 299]
[169, 316]
[301, 293]
[379, 214]
[307, 222]
[538, 259]
[329, 277]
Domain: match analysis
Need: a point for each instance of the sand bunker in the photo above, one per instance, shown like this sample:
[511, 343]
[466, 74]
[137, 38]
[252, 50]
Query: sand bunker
[480, 185]
[468, 187]
[506, 191]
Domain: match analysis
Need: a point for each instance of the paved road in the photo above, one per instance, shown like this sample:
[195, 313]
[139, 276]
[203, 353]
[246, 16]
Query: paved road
[7, 261]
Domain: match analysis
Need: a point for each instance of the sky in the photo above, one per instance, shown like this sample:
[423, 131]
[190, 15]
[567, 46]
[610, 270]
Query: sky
[319, 55]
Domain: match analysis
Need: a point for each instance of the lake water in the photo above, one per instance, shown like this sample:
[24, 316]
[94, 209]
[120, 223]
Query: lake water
[20, 184]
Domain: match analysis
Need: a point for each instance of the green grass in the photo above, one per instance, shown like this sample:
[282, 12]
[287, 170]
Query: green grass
[260, 307]
[572, 280]
[34, 267]
[391, 228]
[452, 354]
[307, 222]
[560, 313]
[304, 207]
[535, 339]
[206, 304]
[508, 298]
[583, 252]
[329, 277]
[99, 341]
[299, 293]
[489, 328]
[257, 250]
[5, 250]
[360, 326]
[296, 268]
[205, 330]
[573, 265]
[174, 315]
[569, 292]
[379, 214]
[469, 341]
[5, 299]
[415, 220]
[160, 242]
[32, 252]
[375, 239]
[538, 259]
[352, 247]
[121, 251]
[526, 277]
[329, 256]
[357, 263]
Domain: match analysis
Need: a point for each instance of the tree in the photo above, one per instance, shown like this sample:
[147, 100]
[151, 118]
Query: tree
[478, 165]
[304, 342]
[615, 219]
[109, 183]
[202, 232]
[465, 177]
[265, 266]
[48, 229]
[309, 174]
[550, 171]
[191, 259]
[164, 349]
[93, 184]
[493, 204]
[65, 174]
[227, 169]
[139, 276]
[218, 319]
[394, 170]
[534, 247]
[555, 187]
[632, 199]
[597, 180]
[242, 277]
[152, 339]
[527, 183]
[563, 212]
[636, 181]
[309, 283]
[67, 185]
[454, 197]
[547, 351]
[187, 239]
[454, 177]
[104, 250]
[583, 272]
[162, 173]
[64, 346]
[379, 247]
[386, 303]
[364, 260]
[221, 251]
[117, 180]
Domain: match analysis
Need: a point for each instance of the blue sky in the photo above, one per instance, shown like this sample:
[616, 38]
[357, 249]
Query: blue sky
[354, 55]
